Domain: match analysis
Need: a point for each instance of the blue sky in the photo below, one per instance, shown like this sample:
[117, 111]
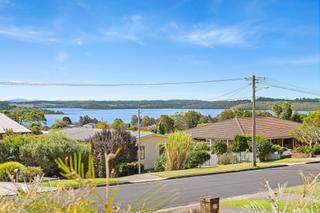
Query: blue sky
[119, 41]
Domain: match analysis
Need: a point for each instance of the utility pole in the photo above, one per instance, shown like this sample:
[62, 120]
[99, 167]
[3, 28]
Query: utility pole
[254, 155]
[139, 145]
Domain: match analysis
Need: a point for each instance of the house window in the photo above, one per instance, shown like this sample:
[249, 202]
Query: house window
[142, 153]
[161, 149]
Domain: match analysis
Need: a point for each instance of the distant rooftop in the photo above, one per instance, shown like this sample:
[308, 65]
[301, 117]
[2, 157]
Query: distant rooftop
[7, 123]
[83, 133]
[267, 127]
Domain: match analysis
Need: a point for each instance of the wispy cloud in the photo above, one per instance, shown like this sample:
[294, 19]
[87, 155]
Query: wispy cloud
[305, 60]
[210, 36]
[131, 29]
[62, 56]
[29, 34]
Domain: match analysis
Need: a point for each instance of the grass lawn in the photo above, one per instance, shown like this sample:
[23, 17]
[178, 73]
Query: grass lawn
[294, 160]
[73, 183]
[300, 189]
[247, 203]
[230, 167]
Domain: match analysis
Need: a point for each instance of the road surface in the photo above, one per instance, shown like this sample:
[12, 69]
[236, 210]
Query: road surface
[223, 185]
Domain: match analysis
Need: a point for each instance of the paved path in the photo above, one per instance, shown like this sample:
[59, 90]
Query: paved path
[223, 185]
[9, 188]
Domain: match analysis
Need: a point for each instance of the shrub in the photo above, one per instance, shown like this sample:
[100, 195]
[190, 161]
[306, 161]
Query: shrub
[125, 169]
[226, 158]
[9, 167]
[159, 164]
[303, 149]
[102, 125]
[28, 173]
[109, 142]
[35, 128]
[11, 145]
[176, 150]
[48, 148]
[277, 148]
[316, 149]
[202, 146]
[59, 124]
[197, 158]
[264, 147]
[240, 143]
[219, 147]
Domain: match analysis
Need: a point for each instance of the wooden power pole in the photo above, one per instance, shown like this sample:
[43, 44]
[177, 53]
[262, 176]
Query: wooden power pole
[254, 146]
[139, 145]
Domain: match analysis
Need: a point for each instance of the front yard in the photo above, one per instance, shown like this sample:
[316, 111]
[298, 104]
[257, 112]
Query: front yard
[230, 167]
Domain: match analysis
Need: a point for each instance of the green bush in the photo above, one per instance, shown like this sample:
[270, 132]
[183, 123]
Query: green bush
[277, 148]
[35, 128]
[197, 158]
[126, 169]
[303, 149]
[28, 173]
[11, 145]
[264, 147]
[159, 164]
[219, 147]
[9, 167]
[48, 148]
[202, 146]
[240, 143]
[316, 149]
[226, 158]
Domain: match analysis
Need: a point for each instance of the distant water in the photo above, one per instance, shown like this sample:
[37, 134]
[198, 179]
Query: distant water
[125, 114]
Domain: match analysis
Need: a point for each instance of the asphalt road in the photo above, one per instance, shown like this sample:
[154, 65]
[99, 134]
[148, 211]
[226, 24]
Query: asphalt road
[223, 185]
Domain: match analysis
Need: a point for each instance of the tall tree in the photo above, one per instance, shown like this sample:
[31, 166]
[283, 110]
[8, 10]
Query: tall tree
[118, 123]
[192, 118]
[309, 132]
[282, 110]
[165, 124]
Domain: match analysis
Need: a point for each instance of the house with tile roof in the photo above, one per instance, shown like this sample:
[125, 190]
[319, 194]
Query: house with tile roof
[277, 130]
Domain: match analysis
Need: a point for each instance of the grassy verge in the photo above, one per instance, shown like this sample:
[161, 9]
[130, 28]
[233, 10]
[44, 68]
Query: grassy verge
[75, 183]
[258, 204]
[227, 168]
[300, 189]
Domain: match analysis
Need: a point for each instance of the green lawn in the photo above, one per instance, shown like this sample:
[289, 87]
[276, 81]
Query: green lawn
[74, 183]
[230, 167]
[247, 203]
[300, 189]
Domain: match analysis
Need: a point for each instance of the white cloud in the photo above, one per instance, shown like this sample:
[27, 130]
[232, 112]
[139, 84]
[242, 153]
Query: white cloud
[312, 59]
[131, 29]
[62, 57]
[210, 36]
[29, 34]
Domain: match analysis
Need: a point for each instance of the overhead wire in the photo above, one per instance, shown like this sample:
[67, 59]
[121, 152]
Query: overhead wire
[291, 89]
[230, 93]
[24, 83]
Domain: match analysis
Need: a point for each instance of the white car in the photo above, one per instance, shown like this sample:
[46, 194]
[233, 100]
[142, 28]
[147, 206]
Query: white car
[286, 152]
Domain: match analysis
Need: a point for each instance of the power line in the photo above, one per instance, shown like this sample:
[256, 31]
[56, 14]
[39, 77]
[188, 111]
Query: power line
[230, 93]
[293, 85]
[16, 83]
[291, 89]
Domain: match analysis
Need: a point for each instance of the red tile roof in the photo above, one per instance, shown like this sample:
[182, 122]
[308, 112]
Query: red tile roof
[267, 127]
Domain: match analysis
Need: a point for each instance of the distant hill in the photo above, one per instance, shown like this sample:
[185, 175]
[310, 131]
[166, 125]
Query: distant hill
[263, 103]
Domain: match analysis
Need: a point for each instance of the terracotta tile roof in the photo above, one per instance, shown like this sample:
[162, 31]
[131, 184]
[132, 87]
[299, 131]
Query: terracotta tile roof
[267, 127]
